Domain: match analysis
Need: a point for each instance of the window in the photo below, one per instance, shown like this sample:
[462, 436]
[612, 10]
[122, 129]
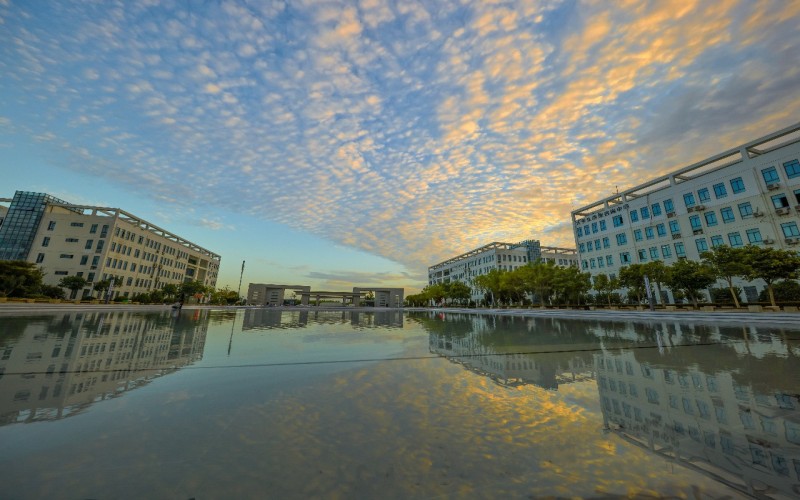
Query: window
[594, 227]
[579, 232]
[618, 221]
[61, 273]
[642, 255]
[645, 213]
[90, 277]
[737, 185]
[780, 201]
[88, 245]
[95, 260]
[46, 241]
[84, 259]
[661, 229]
[625, 258]
[654, 253]
[796, 196]
[585, 264]
[717, 241]
[719, 190]
[71, 240]
[745, 209]
[669, 206]
[603, 225]
[40, 258]
[656, 207]
[727, 215]
[701, 244]
[694, 220]
[93, 229]
[51, 225]
[597, 244]
[666, 251]
[688, 200]
[754, 236]
[589, 246]
[735, 240]
[104, 231]
[600, 262]
[100, 245]
[637, 234]
[66, 256]
[680, 250]
[648, 233]
[792, 169]
[770, 175]
[586, 229]
[674, 227]
[609, 260]
[790, 230]
[711, 219]
[634, 216]
[703, 195]
[582, 247]
[606, 242]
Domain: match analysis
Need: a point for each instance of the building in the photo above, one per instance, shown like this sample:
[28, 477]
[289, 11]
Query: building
[497, 255]
[263, 294]
[746, 195]
[99, 243]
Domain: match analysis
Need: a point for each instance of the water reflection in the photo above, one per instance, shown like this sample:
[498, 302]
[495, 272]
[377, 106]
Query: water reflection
[267, 319]
[56, 366]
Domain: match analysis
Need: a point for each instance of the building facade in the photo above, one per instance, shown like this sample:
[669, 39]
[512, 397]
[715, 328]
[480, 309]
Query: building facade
[497, 255]
[746, 195]
[99, 243]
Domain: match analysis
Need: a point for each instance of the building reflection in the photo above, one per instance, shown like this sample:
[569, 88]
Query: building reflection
[267, 319]
[52, 367]
[728, 408]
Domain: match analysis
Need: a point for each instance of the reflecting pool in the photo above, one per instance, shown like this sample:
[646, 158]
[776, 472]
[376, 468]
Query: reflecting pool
[307, 403]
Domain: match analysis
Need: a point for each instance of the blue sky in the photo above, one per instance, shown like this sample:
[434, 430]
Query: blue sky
[356, 143]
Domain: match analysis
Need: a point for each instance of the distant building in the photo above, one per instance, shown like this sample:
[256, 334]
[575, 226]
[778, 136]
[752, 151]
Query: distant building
[99, 243]
[746, 195]
[503, 256]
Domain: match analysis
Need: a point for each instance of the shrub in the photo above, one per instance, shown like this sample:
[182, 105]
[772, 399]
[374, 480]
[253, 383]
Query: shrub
[785, 291]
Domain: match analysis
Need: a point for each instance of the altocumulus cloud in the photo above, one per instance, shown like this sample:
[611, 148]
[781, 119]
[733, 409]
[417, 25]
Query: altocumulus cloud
[411, 130]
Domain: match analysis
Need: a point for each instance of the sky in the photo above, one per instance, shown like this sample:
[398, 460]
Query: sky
[356, 143]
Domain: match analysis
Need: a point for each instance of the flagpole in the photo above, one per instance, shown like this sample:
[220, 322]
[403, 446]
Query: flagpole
[239, 291]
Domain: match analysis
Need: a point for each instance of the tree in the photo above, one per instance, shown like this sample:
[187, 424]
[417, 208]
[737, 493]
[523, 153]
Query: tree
[605, 285]
[689, 277]
[728, 263]
[785, 291]
[170, 291]
[656, 272]
[571, 284]
[770, 265]
[192, 289]
[632, 277]
[490, 282]
[103, 285]
[19, 278]
[73, 283]
[435, 292]
[539, 279]
[459, 291]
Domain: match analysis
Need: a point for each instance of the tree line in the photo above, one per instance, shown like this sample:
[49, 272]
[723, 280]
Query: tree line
[548, 284]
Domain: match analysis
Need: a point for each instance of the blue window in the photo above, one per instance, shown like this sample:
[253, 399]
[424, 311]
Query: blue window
[668, 206]
[585, 264]
[618, 220]
[654, 253]
[634, 216]
[597, 244]
[702, 246]
[737, 185]
[703, 195]
[666, 251]
[711, 219]
[602, 225]
[648, 232]
[674, 227]
[582, 247]
[622, 239]
[780, 201]
[606, 242]
[770, 175]
[792, 169]
[642, 255]
[609, 260]
[694, 220]
[720, 191]
[656, 208]
[580, 232]
[594, 227]
[754, 236]
[645, 213]
[680, 250]
[589, 246]
[586, 229]
[745, 209]
[591, 263]
[625, 258]
[735, 240]
[790, 230]
[637, 234]
[717, 241]
[600, 262]
[661, 229]
[688, 200]
[727, 215]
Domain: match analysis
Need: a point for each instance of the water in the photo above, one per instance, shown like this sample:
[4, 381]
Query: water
[299, 404]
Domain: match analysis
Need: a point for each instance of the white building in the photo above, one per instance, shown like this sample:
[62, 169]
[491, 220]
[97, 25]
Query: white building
[746, 195]
[99, 243]
[497, 255]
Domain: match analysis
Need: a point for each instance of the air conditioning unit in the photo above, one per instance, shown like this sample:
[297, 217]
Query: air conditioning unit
[697, 231]
[758, 214]
[699, 208]
[676, 236]
[670, 215]
[792, 241]
[768, 241]
[782, 211]
[773, 186]
[690, 209]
